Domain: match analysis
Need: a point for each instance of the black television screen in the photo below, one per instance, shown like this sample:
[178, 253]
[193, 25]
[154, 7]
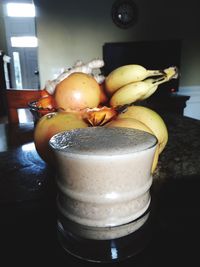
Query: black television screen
[150, 54]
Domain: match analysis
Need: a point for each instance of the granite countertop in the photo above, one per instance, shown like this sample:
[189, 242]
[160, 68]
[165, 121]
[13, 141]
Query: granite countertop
[181, 156]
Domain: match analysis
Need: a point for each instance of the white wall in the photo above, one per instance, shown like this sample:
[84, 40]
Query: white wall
[72, 30]
[76, 30]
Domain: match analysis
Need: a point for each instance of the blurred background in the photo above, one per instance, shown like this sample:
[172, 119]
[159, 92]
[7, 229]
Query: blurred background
[58, 33]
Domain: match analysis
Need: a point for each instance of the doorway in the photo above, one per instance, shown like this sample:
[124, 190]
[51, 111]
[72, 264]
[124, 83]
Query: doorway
[22, 46]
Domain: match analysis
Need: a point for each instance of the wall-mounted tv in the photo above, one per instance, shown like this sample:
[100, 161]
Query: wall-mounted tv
[150, 54]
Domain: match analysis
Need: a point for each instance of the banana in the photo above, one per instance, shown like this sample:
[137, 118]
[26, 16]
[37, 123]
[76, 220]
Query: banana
[141, 90]
[126, 74]
[151, 119]
[135, 124]
[129, 93]
[171, 73]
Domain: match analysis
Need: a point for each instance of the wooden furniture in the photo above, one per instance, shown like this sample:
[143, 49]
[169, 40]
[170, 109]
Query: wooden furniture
[19, 99]
[172, 103]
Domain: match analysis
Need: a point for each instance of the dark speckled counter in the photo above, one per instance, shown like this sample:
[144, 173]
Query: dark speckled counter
[181, 156]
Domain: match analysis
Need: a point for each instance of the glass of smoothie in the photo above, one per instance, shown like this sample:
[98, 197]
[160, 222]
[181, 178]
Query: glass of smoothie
[103, 178]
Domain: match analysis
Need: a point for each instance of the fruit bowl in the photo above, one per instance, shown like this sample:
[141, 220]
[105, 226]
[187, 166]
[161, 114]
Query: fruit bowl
[38, 112]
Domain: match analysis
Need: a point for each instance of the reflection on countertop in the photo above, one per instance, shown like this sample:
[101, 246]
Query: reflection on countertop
[181, 156]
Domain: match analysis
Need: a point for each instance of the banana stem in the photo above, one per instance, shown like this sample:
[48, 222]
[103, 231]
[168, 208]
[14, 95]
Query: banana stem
[155, 73]
[169, 73]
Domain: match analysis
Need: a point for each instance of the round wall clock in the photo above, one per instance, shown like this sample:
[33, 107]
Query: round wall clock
[124, 13]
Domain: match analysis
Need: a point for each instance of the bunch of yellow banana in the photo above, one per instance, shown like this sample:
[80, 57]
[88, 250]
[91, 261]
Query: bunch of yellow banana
[130, 83]
[145, 119]
[128, 74]
[151, 119]
[128, 121]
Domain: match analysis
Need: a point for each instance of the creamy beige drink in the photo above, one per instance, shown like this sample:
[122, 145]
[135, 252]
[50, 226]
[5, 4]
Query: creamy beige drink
[103, 178]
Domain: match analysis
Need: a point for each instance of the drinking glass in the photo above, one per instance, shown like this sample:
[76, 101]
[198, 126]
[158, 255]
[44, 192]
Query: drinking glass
[103, 178]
